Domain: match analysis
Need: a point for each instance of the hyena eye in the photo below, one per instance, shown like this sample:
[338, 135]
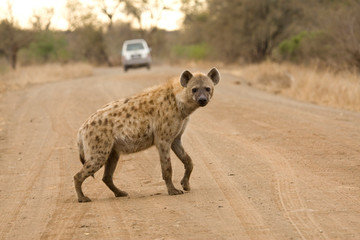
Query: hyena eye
[194, 90]
[207, 89]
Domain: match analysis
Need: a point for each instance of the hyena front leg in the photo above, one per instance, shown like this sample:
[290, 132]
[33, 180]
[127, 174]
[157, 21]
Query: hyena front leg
[164, 152]
[178, 149]
[110, 166]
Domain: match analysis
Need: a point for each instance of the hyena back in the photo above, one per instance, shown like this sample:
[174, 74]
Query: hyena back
[157, 117]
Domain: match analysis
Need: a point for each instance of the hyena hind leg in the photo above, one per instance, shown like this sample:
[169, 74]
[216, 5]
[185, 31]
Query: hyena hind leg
[89, 168]
[110, 166]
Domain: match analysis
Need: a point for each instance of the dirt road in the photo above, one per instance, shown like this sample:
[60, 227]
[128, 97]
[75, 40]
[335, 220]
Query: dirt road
[265, 167]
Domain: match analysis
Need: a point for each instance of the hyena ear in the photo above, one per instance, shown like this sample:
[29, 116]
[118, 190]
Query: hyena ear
[185, 78]
[214, 75]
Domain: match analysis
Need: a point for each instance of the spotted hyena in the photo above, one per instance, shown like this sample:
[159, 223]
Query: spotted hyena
[157, 116]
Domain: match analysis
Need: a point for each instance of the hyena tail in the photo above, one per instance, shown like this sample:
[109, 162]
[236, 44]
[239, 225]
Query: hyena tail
[81, 154]
[81, 149]
[82, 160]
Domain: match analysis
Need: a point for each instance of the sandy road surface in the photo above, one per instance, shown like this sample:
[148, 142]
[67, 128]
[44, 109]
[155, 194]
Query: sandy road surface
[266, 167]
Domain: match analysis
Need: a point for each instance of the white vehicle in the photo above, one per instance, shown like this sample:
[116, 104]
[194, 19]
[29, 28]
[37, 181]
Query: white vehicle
[135, 53]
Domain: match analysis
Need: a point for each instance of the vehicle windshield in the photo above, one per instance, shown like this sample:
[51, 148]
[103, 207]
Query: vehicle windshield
[134, 46]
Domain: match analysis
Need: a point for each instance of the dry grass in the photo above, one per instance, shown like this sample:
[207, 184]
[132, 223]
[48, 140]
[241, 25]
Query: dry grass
[311, 84]
[31, 75]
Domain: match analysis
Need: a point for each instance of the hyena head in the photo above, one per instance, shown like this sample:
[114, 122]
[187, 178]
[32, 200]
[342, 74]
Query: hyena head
[200, 87]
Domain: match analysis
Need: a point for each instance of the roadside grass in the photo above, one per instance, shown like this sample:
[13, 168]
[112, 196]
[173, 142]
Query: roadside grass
[27, 76]
[322, 86]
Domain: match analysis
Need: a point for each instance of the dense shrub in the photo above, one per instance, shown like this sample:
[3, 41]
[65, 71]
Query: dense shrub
[47, 46]
[194, 51]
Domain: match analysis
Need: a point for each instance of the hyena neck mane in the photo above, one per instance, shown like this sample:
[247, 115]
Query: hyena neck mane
[186, 108]
[185, 104]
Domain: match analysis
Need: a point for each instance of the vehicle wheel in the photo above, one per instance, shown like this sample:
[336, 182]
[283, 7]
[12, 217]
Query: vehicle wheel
[125, 68]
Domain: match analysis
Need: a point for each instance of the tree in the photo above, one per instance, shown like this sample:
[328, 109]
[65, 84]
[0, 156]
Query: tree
[330, 33]
[151, 9]
[12, 38]
[344, 29]
[195, 23]
[78, 15]
[109, 8]
[86, 34]
[250, 28]
[41, 19]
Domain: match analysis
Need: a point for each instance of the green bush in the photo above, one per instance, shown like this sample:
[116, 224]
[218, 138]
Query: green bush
[292, 48]
[289, 47]
[193, 52]
[47, 46]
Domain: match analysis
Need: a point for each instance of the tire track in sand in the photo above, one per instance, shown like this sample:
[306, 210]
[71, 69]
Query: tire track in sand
[247, 214]
[290, 200]
[34, 158]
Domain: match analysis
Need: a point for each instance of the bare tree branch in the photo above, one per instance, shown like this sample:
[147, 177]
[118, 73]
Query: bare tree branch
[41, 19]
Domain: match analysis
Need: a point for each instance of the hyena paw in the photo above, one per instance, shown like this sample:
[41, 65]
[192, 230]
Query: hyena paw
[175, 191]
[185, 184]
[121, 194]
[84, 199]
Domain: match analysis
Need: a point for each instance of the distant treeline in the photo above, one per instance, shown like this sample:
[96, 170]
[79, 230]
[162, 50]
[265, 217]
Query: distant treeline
[237, 31]
[282, 30]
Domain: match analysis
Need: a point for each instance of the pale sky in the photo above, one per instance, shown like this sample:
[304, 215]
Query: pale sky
[23, 10]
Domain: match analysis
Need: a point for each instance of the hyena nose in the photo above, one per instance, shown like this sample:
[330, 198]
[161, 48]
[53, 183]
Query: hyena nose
[202, 101]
